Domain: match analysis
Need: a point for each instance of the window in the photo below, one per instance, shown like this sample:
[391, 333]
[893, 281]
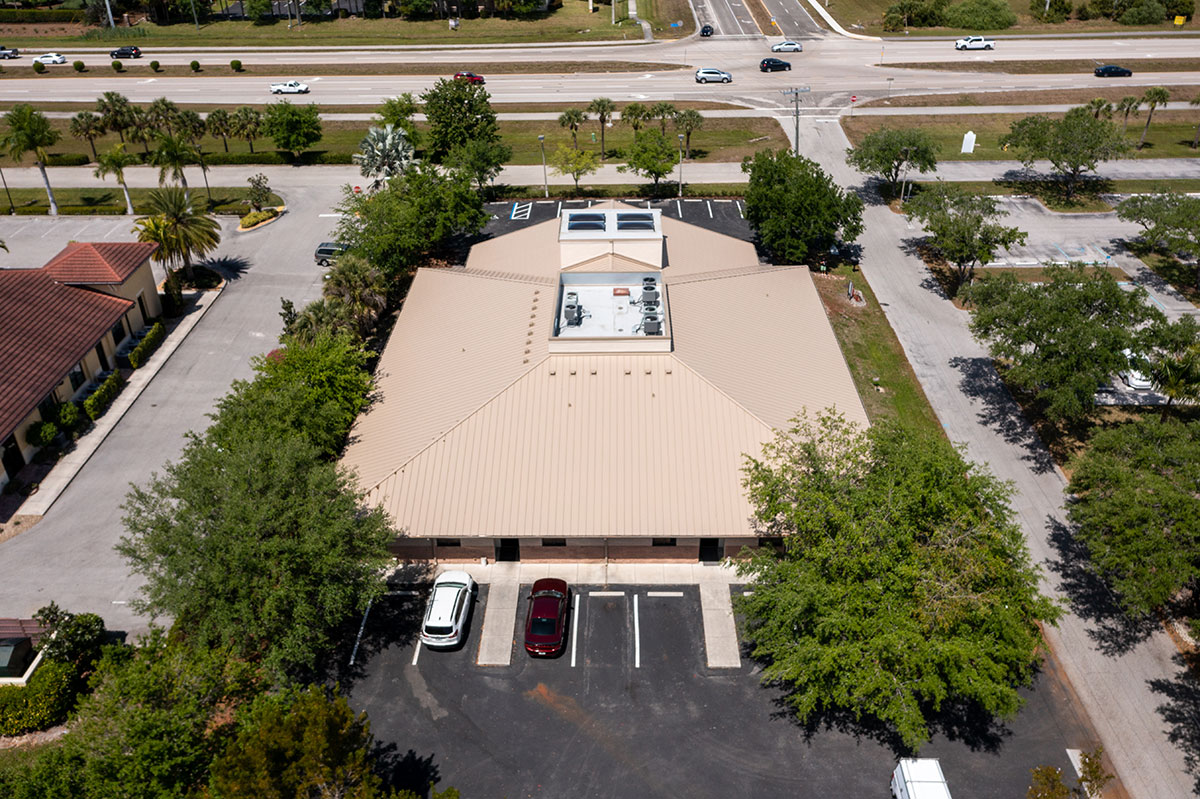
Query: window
[554, 542]
[118, 332]
[585, 222]
[48, 408]
[632, 221]
[448, 542]
[77, 376]
[662, 542]
[142, 307]
[774, 542]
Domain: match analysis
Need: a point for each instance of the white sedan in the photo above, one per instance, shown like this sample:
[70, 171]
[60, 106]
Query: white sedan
[291, 87]
[50, 58]
[787, 47]
[974, 43]
[1133, 378]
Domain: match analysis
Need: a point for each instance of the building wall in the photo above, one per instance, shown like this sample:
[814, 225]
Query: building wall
[140, 282]
[533, 550]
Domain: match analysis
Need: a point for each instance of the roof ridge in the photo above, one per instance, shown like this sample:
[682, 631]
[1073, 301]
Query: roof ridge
[497, 275]
[737, 271]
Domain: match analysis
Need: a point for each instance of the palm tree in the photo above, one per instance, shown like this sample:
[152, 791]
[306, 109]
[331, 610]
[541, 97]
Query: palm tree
[1153, 98]
[662, 112]
[30, 131]
[170, 156]
[114, 109]
[1099, 107]
[688, 121]
[247, 124]
[603, 108]
[384, 153]
[88, 126]
[1177, 376]
[634, 115]
[1128, 105]
[162, 114]
[139, 128]
[191, 126]
[361, 288]
[156, 229]
[177, 227]
[1195, 139]
[326, 315]
[220, 123]
[113, 162]
[571, 119]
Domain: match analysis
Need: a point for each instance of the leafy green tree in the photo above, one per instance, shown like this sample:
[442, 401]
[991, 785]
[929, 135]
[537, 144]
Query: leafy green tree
[1046, 782]
[113, 108]
[1135, 508]
[651, 155]
[1175, 360]
[74, 638]
[88, 127]
[1073, 145]
[361, 288]
[29, 131]
[1063, 338]
[1154, 97]
[795, 208]
[399, 112]
[890, 153]
[1126, 106]
[904, 585]
[259, 192]
[1170, 220]
[688, 122]
[662, 111]
[480, 161]
[576, 163]
[603, 108]
[114, 162]
[383, 153]
[571, 119]
[171, 155]
[300, 743]
[180, 230]
[414, 215]
[293, 128]
[458, 112]
[248, 124]
[219, 123]
[635, 115]
[962, 226]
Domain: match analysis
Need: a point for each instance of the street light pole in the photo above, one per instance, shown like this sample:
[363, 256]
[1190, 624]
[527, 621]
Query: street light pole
[795, 95]
[681, 165]
[545, 178]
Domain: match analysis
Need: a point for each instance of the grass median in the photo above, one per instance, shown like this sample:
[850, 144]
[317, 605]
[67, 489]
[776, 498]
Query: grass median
[1048, 67]
[1112, 93]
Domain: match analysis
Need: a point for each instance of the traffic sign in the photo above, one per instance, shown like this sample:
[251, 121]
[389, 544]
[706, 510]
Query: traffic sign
[854, 98]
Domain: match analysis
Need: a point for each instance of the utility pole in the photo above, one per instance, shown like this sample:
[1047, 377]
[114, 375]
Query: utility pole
[108, 8]
[795, 95]
[545, 177]
[681, 165]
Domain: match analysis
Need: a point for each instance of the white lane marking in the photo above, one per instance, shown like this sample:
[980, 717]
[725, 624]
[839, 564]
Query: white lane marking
[558, 213]
[637, 636]
[739, 205]
[679, 209]
[664, 593]
[606, 593]
[710, 216]
[120, 602]
[361, 627]
[416, 653]
[574, 630]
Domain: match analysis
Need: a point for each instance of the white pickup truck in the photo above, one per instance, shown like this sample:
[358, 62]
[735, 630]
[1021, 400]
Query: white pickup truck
[291, 87]
[919, 779]
[975, 43]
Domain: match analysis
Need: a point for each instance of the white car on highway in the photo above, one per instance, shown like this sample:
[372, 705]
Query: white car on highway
[975, 43]
[291, 87]
[787, 47]
[711, 75]
[50, 58]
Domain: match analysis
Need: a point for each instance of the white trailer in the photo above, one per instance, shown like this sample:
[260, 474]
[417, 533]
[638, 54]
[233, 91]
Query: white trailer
[919, 779]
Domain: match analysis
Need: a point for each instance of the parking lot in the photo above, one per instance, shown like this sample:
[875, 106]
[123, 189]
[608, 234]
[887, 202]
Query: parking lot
[631, 709]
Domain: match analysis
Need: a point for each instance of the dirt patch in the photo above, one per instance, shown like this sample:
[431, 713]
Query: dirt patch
[33, 738]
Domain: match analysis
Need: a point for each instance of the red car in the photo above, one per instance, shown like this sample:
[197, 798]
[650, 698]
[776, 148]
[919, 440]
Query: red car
[546, 622]
[469, 77]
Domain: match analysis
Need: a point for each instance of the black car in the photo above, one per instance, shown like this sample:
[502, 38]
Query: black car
[706, 30]
[126, 52]
[1113, 71]
[774, 65]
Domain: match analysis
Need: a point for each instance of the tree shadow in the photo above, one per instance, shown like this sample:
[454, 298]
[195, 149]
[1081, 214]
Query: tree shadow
[230, 267]
[1181, 712]
[874, 190]
[933, 281]
[407, 772]
[1000, 411]
[1114, 631]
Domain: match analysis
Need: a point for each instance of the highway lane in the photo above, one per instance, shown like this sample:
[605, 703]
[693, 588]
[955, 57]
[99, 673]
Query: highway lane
[792, 21]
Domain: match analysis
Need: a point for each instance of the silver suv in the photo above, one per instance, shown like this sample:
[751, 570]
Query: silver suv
[328, 252]
[710, 75]
[449, 608]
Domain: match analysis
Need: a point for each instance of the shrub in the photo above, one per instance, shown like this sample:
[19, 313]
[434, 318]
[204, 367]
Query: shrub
[39, 434]
[1084, 12]
[918, 13]
[269, 157]
[1180, 8]
[154, 66]
[68, 159]
[1147, 12]
[150, 343]
[71, 637]
[95, 405]
[195, 66]
[21, 15]
[118, 66]
[1058, 11]
[79, 66]
[68, 416]
[893, 22]
[256, 217]
[981, 15]
[39, 67]
[44, 702]
[235, 65]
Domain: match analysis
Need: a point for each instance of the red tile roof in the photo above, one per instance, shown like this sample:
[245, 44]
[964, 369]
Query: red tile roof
[98, 262]
[47, 329]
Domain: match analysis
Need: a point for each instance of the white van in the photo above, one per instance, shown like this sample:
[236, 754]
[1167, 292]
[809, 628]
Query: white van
[919, 779]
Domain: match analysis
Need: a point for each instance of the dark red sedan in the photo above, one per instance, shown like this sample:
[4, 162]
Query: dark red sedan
[546, 622]
[469, 77]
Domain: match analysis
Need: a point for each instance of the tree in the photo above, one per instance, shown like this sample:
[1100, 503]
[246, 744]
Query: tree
[30, 131]
[688, 122]
[383, 153]
[361, 288]
[962, 226]
[259, 192]
[299, 743]
[1128, 105]
[171, 155]
[247, 124]
[480, 161]
[903, 587]
[162, 115]
[177, 227]
[327, 316]
[571, 119]
[651, 155]
[113, 108]
[293, 128]
[399, 112]
[220, 123]
[1174, 359]
[890, 153]
[1075, 144]
[1169, 220]
[1135, 509]
[1153, 98]
[603, 108]
[1100, 108]
[87, 126]
[795, 208]
[662, 111]
[114, 162]
[139, 129]
[576, 163]
[74, 638]
[458, 112]
[1061, 339]
[191, 127]
[635, 115]
[1195, 139]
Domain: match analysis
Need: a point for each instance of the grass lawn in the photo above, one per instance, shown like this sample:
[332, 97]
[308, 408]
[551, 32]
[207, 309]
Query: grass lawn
[334, 108]
[947, 276]
[1028, 97]
[662, 13]
[105, 200]
[1088, 198]
[886, 383]
[1033, 67]
[632, 191]
[1170, 133]
[1182, 276]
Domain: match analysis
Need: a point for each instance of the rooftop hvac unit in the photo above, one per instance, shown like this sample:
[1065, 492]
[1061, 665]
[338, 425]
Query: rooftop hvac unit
[649, 295]
[652, 325]
[573, 297]
[649, 282]
[574, 314]
[650, 308]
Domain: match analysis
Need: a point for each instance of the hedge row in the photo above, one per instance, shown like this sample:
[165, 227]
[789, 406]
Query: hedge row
[256, 217]
[274, 157]
[39, 434]
[39, 15]
[44, 702]
[68, 159]
[95, 405]
[149, 344]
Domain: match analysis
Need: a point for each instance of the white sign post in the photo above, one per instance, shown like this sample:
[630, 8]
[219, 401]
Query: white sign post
[969, 142]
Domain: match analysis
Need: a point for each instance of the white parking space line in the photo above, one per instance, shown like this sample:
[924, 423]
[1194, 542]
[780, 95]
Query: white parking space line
[606, 593]
[664, 593]
[679, 208]
[416, 652]
[710, 216]
[574, 630]
[1076, 761]
[637, 636]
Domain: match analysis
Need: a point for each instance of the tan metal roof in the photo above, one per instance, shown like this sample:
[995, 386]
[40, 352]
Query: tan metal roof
[695, 250]
[611, 262]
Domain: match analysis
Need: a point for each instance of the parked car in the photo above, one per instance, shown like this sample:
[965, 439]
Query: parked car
[546, 619]
[449, 608]
[774, 65]
[710, 75]
[787, 47]
[1113, 71]
[1132, 377]
[50, 58]
[975, 43]
[328, 252]
[706, 30]
[9, 52]
[128, 51]
[469, 77]
[290, 87]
